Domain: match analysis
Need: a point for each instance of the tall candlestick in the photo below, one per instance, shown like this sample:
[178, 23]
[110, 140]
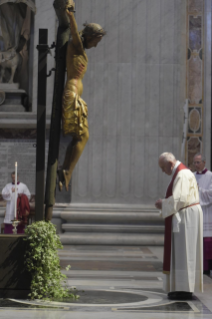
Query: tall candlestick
[16, 167]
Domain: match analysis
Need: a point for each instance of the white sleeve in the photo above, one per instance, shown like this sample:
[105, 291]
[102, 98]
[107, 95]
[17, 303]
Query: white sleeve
[180, 197]
[205, 195]
[7, 193]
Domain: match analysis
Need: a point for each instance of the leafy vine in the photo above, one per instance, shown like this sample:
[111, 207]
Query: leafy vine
[42, 261]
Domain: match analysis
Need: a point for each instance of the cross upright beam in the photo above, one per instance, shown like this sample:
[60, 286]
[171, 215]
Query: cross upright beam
[41, 124]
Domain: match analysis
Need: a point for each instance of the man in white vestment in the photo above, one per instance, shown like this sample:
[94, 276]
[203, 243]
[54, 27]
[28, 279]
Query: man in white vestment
[183, 242]
[8, 194]
[204, 181]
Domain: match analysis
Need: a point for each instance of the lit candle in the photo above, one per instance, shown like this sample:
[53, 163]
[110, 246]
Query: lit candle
[16, 166]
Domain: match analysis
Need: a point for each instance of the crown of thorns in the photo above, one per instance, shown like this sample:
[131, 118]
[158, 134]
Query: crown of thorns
[93, 29]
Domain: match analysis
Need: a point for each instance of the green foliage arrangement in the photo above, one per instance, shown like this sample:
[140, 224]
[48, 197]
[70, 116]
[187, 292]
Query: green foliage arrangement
[43, 263]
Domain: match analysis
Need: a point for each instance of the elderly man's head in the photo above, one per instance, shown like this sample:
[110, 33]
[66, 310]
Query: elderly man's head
[167, 162]
[199, 162]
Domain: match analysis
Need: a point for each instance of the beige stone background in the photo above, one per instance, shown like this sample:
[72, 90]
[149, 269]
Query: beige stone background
[137, 83]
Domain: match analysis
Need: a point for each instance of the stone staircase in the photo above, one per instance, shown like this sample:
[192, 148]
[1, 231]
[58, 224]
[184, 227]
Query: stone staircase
[98, 224]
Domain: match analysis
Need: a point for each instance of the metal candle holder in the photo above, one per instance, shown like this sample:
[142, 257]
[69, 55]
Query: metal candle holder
[15, 223]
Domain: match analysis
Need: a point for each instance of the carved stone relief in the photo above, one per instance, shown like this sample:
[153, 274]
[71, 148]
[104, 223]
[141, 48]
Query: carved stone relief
[195, 5]
[195, 70]
[195, 80]
[194, 121]
[15, 21]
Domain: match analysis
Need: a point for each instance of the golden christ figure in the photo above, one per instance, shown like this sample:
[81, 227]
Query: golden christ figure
[74, 108]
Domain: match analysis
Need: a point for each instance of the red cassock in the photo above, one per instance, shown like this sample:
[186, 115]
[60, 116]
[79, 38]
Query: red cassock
[23, 208]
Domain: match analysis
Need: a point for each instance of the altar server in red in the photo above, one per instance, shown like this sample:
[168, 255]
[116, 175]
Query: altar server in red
[23, 196]
[183, 242]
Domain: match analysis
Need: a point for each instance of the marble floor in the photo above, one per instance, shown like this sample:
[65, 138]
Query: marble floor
[113, 282]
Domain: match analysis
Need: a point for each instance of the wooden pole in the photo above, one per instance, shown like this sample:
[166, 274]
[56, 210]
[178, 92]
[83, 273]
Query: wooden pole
[41, 124]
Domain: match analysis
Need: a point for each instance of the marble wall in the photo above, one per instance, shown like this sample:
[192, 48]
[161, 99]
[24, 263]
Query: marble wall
[136, 85]
[135, 91]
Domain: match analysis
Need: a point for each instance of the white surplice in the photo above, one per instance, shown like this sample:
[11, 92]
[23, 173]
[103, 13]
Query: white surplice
[204, 182]
[186, 270]
[9, 196]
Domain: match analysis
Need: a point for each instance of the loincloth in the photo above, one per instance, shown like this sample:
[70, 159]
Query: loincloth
[74, 114]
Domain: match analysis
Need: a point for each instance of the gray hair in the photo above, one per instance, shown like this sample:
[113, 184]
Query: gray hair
[202, 156]
[166, 156]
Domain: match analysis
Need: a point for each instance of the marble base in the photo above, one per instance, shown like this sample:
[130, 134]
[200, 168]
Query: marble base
[13, 293]
[20, 120]
[7, 86]
[13, 99]
[14, 278]
[11, 108]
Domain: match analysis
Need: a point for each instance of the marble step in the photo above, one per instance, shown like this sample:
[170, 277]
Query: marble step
[107, 228]
[112, 239]
[112, 217]
[105, 207]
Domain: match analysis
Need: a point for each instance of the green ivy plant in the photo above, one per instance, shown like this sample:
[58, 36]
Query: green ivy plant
[43, 263]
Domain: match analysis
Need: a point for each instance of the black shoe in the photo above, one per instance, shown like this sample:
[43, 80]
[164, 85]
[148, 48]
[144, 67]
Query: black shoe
[180, 295]
[206, 272]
